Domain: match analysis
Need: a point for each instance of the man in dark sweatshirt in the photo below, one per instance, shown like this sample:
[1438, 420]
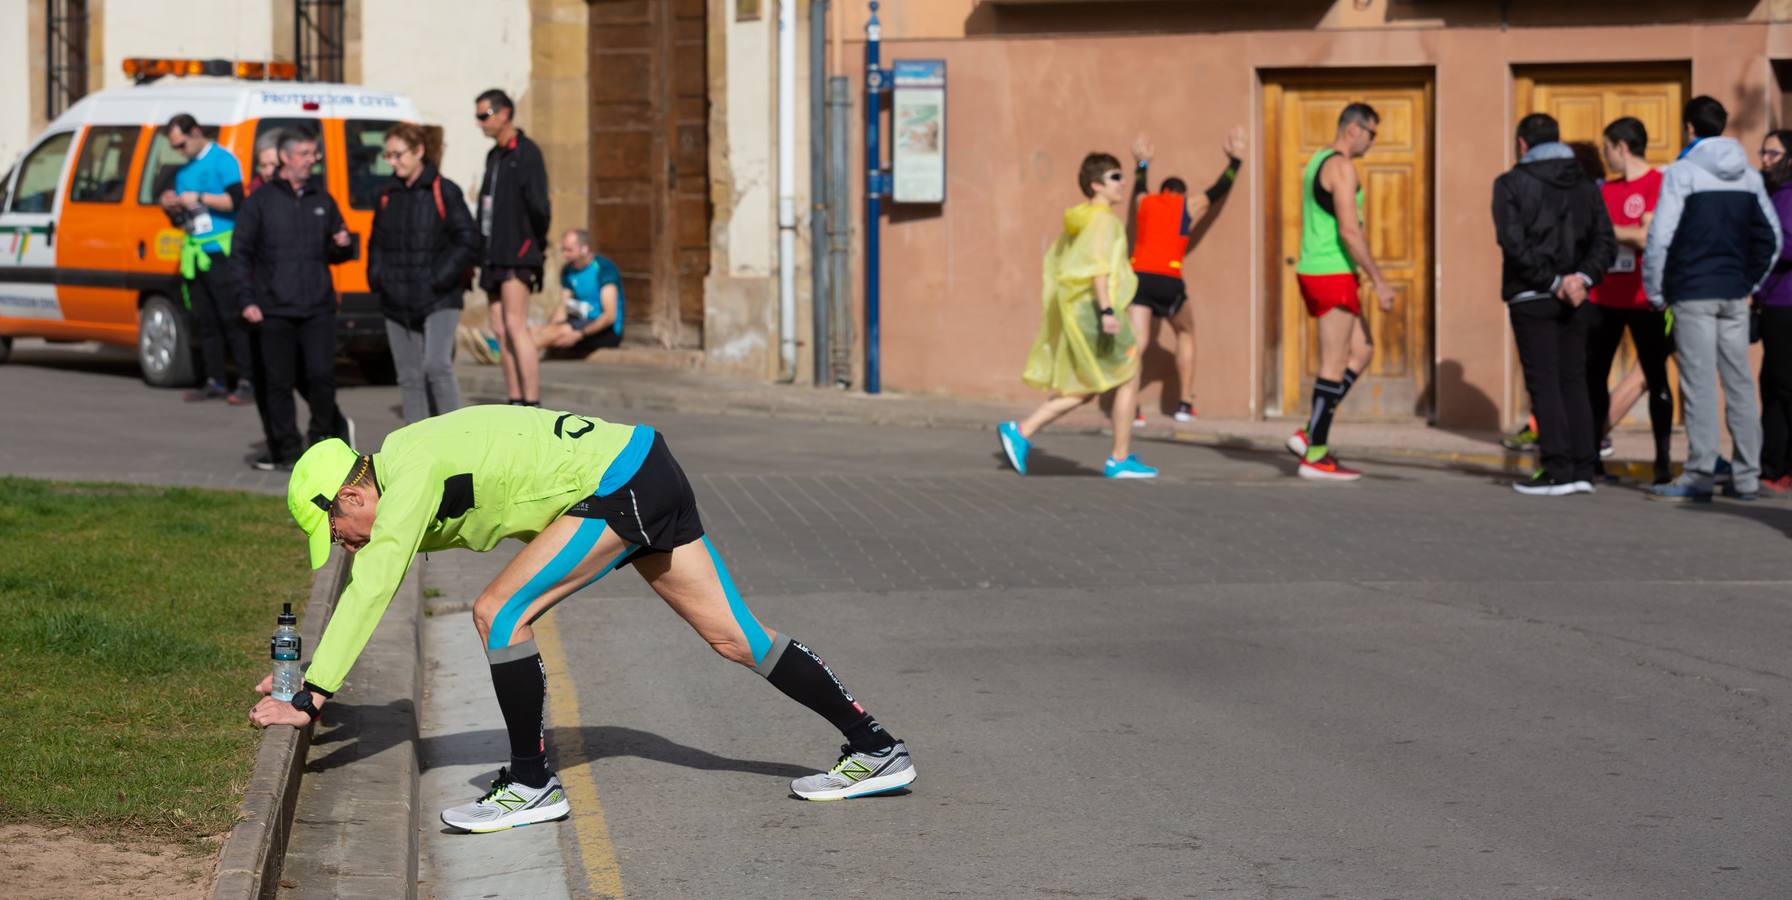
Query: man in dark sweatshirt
[1714, 239]
[288, 235]
[1558, 242]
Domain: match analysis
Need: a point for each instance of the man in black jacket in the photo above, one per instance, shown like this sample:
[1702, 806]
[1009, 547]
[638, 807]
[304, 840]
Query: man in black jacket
[513, 217]
[289, 234]
[1558, 242]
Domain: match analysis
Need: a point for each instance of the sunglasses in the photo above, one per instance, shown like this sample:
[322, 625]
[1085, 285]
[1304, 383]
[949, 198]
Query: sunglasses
[482, 116]
[1116, 176]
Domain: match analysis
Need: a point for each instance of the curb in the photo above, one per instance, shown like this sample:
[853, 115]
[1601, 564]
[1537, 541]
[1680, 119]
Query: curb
[249, 864]
[356, 830]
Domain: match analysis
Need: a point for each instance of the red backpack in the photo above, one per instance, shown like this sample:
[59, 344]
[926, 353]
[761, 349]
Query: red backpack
[435, 187]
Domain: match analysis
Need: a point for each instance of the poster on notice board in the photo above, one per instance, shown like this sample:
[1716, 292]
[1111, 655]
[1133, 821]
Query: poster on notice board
[918, 123]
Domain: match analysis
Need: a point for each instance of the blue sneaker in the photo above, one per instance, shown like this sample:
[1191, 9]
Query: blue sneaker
[1722, 473]
[1014, 445]
[1678, 492]
[1130, 467]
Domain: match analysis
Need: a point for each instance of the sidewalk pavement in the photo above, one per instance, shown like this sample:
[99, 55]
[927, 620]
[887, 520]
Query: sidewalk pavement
[608, 388]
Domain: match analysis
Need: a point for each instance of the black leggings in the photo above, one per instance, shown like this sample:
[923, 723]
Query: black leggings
[1776, 392]
[1648, 330]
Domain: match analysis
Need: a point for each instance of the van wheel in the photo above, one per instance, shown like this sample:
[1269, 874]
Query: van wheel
[377, 368]
[164, 345]
[5, 349]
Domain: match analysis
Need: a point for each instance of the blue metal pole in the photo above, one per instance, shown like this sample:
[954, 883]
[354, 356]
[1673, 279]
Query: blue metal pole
[874, 189]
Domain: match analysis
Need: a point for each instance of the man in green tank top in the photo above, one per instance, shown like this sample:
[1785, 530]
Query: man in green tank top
[1332, 248]
[586, 496]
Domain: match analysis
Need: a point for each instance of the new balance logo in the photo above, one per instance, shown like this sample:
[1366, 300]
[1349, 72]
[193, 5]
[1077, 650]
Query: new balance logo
[510, 801]
[854, 770]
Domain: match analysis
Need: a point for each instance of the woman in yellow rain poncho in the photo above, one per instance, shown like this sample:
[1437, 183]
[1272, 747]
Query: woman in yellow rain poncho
[1085, 346]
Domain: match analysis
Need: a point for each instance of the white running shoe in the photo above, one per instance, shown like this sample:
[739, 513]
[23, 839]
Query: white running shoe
[859, 775]
[510, 805]
[1297, 443]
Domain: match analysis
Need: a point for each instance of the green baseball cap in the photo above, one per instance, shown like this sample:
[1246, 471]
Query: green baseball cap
[316, 478]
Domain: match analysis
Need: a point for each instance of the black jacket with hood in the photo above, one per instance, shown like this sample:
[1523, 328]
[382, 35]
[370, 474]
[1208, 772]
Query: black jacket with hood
[283, 244]
[516, 180]
[1550, 221]
[418, 254]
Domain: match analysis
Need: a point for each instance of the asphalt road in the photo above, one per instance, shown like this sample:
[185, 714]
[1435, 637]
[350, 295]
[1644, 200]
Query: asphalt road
[1229, 682]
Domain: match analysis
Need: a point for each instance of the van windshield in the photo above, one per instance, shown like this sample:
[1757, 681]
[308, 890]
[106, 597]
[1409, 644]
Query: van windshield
[368, 170]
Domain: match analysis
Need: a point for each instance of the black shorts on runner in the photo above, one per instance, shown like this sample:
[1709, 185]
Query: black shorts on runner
[587, 345]
[491, 278]
[655, 510]
[1163, 294]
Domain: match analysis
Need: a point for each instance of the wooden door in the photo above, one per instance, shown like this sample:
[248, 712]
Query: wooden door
[1301, 118]
[1583, 100]
[650, 209]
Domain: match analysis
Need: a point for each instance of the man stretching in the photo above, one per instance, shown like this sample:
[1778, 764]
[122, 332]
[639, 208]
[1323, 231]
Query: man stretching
[1161, 229]
[587, 496]
[1332, 248]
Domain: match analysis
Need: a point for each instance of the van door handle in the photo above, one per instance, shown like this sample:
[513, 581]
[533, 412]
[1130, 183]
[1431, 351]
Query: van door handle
[141, 249]
[50, 233]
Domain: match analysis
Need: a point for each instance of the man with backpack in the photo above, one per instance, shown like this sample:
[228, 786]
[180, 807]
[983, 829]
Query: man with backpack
[1558, 243]
[422, 247]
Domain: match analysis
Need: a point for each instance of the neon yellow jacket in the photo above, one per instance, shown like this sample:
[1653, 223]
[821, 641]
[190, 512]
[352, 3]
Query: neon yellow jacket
[469, 479]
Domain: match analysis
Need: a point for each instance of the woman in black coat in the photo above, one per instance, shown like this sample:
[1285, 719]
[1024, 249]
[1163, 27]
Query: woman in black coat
[423, 247]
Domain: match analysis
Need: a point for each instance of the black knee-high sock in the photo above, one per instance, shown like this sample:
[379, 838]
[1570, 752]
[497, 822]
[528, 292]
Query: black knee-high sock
[522, 688]
[794, 669]
[1326, 396]
[1350, 376]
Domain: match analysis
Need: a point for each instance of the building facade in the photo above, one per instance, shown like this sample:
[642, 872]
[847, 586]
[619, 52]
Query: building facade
[1033, 87]
[659, 120]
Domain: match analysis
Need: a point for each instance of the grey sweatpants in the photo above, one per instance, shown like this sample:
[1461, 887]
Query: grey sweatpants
[1711, 340]
[425, 362]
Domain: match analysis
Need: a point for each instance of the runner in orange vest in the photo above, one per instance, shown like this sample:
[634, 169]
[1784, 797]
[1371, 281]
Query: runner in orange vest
[1160, 226]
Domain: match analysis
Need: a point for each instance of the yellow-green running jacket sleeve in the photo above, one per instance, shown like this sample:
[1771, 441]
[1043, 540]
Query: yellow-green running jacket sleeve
[398, 528]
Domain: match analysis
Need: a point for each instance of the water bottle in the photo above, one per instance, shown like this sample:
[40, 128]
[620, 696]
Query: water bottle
[284, 647]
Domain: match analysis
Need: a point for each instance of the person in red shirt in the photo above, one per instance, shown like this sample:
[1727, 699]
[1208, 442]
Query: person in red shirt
[1619, 301]
[1162, 228]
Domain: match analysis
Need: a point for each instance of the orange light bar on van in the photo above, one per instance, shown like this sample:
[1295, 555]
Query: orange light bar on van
[146, 68]
[267, 71]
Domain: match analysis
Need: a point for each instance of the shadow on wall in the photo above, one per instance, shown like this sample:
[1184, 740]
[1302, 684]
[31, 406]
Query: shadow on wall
[1462, 407]
[991, 17]
[1140, 16]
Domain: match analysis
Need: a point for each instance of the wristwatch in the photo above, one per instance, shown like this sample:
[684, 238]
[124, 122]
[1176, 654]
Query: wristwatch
[302, 702]
[1107, 310]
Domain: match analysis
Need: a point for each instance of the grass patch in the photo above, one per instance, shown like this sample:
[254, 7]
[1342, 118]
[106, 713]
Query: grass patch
[133, 626]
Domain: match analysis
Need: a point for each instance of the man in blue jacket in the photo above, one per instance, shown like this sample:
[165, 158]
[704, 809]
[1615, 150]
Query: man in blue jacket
[1714, 239]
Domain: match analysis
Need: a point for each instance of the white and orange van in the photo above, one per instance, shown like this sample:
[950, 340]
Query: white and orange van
[87, 254]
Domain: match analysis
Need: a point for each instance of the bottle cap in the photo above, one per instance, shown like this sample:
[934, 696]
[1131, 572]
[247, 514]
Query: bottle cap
[286, 616]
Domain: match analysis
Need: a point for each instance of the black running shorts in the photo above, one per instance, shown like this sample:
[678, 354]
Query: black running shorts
[655, 510]
[1162, 294]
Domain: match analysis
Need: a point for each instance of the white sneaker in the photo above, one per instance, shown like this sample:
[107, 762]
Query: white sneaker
[1185, 413]
[348, 436]
[1583, 487]
[859, 775]
[510, 805]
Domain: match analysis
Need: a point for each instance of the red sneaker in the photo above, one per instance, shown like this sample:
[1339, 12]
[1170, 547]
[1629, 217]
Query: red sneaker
[1297, 443]
[1328, 469]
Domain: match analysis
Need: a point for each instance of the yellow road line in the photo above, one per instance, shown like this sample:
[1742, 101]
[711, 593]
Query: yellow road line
[602, 876]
